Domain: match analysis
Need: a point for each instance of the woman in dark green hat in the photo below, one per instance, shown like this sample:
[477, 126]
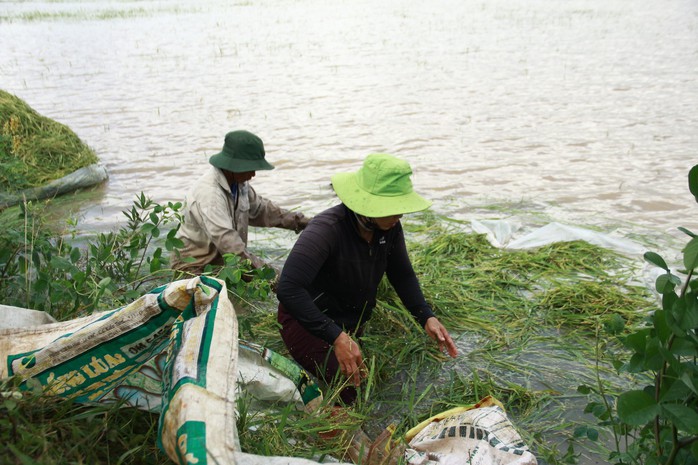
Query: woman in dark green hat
[222, 205]
[327, 289]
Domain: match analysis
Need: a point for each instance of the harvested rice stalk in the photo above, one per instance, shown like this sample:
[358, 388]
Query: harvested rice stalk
[34, 149]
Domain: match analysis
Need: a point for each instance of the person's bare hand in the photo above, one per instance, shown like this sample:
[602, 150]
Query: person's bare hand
[256, 261]
[438, 332]
[349, 357]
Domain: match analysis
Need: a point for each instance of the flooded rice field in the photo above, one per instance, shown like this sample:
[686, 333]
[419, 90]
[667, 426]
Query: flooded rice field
[584, 111]
[580, 112]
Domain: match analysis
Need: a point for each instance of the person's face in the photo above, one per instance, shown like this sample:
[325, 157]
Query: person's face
[241, 177]
[387, 222]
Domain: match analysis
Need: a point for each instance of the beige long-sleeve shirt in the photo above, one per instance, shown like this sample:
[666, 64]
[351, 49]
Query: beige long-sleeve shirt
[216, 221]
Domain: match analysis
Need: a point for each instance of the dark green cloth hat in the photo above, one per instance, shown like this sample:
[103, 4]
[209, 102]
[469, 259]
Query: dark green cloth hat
[242, 151]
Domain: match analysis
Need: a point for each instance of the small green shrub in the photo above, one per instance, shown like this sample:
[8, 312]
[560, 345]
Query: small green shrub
[657, 423]
[43, 270]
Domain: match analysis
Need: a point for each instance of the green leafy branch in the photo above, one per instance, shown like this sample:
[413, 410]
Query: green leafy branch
[68, 276]
[659, 421]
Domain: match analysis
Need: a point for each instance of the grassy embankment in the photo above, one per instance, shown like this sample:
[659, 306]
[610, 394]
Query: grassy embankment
[34, 149]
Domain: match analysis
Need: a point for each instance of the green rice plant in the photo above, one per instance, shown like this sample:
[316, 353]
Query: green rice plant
[470, 283]
[577, 257]
[35, 429]
[34, 149]
[259, 325]
[283, 430]
[460, 390]
[576, 304]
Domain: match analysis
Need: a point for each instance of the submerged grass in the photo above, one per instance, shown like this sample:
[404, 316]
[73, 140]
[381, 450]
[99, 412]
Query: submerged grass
[525, 322]
[34, 149]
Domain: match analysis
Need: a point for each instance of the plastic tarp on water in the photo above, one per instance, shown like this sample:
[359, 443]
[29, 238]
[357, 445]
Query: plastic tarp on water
[502, 233]
[507, 234]
[175, 351]
[88, 176]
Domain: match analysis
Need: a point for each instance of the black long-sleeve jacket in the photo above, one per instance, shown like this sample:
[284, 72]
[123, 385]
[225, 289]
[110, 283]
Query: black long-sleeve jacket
[330, 279]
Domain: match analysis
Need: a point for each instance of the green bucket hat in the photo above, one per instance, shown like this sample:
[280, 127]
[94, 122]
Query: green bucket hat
[242, 151]
[381, 187]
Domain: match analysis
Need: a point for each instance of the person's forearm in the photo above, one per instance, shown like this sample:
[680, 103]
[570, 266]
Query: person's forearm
[300, 305]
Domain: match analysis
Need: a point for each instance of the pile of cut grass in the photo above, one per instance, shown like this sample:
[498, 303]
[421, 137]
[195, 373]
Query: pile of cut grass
[34, 149]
[474, 285]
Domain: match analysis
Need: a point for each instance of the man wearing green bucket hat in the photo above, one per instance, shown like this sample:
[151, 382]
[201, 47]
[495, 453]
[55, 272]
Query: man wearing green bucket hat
[327, 289]
[222, 205]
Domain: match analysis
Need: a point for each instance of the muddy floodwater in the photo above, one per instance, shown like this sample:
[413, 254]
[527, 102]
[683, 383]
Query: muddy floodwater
[580, 112]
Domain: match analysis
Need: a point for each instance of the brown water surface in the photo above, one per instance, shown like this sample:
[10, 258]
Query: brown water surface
[582, 110]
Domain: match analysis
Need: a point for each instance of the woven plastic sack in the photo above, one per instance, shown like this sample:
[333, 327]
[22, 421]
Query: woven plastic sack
[474, 435]
[88, 176]
[174, 350]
